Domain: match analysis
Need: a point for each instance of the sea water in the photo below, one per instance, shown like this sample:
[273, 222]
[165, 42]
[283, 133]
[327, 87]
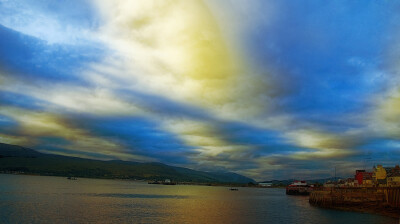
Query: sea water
[40, 199]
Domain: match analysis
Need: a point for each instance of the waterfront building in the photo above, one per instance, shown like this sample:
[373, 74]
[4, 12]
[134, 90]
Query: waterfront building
[341, 183]
[393, 178]
[350, 182]
[367, 179]
[363, 178]
[379, 175]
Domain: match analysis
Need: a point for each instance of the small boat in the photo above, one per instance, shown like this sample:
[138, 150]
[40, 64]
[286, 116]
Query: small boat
[154, 182]
[72, 178]
[169, 183]
[233, 189]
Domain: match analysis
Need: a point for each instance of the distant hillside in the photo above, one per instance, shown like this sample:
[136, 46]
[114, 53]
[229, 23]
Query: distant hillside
[289, 181]
[19, 159]
[17, 151]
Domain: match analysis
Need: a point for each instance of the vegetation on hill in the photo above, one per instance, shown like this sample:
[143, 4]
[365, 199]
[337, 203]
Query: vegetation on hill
[24, 160]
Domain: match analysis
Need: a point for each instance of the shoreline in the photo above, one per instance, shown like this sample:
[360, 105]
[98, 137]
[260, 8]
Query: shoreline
[370, 208]
[212, 184]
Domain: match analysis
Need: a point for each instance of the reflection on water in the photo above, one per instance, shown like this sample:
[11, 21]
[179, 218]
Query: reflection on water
[132, 195]
[34, 199]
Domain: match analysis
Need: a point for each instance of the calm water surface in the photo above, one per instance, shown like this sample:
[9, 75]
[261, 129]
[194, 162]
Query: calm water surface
[36, 199]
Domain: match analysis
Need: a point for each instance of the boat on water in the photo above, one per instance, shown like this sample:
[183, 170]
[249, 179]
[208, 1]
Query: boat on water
[154, 182]
[169, 183]
[72, 178]
[299, 188]
[233, 189]
[165, 182]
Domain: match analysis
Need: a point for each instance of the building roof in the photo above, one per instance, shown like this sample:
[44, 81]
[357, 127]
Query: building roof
[388, 169]
[395, 173]
[392, 170]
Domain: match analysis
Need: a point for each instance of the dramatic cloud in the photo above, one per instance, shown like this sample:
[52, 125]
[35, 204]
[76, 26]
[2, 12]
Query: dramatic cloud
[268, 89]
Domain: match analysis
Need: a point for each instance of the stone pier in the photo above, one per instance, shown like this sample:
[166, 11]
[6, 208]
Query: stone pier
[381, 200]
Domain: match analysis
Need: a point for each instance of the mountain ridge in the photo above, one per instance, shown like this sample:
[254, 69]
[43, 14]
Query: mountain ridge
[14, 158]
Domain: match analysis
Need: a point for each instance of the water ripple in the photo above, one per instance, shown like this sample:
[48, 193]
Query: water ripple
[118, 195]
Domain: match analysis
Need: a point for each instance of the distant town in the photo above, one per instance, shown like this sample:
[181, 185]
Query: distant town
[379, 177]
[376, 191]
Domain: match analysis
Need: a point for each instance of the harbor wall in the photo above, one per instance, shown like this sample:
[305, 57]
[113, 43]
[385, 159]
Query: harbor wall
[382, 200]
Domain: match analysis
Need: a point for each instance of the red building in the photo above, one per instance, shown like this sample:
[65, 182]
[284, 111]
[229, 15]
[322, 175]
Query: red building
[362, 176]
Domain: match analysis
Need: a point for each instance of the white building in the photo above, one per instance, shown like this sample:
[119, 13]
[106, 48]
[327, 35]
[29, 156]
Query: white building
[265, 184]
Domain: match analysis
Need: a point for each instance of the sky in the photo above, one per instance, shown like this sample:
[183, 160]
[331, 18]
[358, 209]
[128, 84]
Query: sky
[264, 88]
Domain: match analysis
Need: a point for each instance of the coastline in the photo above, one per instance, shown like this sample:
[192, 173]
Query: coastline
[213, 184]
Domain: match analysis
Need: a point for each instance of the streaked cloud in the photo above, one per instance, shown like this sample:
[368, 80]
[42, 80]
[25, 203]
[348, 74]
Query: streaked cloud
[268, 89]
